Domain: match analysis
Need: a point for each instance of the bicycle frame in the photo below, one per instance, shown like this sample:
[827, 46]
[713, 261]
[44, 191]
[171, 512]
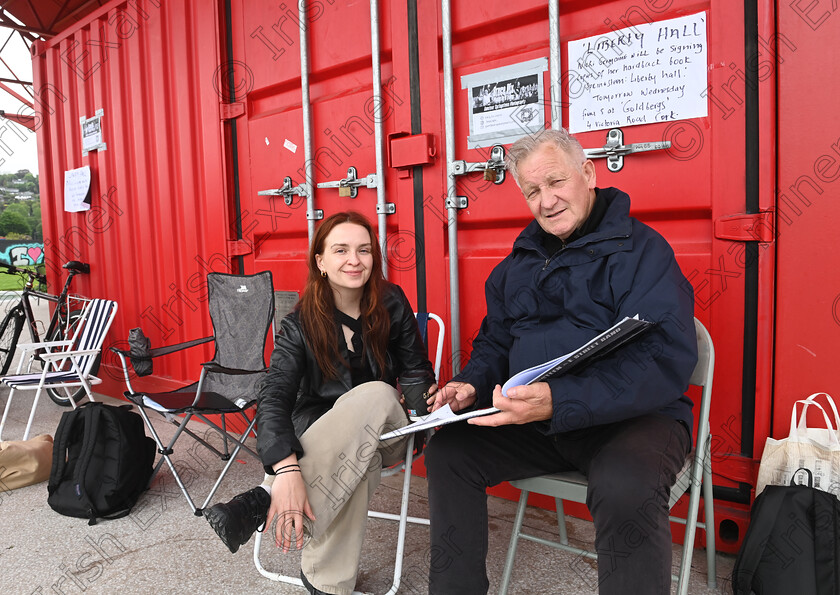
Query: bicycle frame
[21, 313]
[60, 314]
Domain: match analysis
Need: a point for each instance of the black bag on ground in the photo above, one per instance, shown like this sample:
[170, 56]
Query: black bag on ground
[792, 544]
[102, 462]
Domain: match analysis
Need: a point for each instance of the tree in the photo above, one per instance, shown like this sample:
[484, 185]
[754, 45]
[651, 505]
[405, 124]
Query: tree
[13, 222]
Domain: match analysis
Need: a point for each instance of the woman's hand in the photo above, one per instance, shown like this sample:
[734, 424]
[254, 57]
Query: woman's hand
[290, 504]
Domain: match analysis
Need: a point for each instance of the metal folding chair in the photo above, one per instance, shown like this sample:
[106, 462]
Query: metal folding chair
[403, 518]
[66, 364]
[695, 475]
[241, 308]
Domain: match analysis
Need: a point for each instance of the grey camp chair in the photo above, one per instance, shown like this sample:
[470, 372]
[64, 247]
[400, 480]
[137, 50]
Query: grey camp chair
[696, 475]
[241, 308]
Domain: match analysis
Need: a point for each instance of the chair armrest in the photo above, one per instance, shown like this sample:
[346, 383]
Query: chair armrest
[44, 344]
[166, 350]
[214, 367]
[65, 354]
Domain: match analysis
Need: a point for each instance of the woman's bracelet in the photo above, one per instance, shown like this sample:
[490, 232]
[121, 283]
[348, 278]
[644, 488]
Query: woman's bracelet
[289, 471]
[276, 471]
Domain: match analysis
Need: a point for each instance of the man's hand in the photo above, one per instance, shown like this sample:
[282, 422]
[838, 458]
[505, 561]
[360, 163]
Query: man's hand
[522, 405]
[459, 395]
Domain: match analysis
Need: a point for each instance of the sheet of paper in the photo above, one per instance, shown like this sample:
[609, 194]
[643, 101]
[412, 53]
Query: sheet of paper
[153, 404]
[527, 376]
[77, 189]
[440, 417]
[653, 72]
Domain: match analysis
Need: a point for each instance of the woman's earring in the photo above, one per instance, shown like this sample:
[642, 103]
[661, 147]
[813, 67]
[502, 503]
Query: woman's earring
[323, 273]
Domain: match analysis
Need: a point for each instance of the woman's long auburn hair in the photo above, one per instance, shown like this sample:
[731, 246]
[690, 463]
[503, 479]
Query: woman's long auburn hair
[317, 304]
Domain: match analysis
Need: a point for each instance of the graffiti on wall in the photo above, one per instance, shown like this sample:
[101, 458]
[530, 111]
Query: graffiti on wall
[19, 253]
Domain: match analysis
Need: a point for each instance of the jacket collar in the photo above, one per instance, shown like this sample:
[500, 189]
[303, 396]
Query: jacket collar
[615, 223]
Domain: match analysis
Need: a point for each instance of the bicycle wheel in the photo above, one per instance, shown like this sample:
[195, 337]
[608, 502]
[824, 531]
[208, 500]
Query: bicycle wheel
[60, 396]
[9, 333]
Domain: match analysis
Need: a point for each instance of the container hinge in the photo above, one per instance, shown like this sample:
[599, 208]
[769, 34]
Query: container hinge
[238, 248]
[232, 110]
[288, 191]
[494, 168]
[457, 202]
[615, 149]
[348, 187]
[746, 227]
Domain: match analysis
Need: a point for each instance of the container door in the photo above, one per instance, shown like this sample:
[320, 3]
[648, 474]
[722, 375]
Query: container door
[290, 179]
[631, 74]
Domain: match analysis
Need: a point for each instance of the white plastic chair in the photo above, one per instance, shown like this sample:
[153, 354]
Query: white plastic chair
[402, 517]
[66, 363]
[695, 475]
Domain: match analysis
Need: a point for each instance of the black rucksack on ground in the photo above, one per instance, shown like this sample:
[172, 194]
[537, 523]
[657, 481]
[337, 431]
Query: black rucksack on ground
[792, 544]
[102, 462]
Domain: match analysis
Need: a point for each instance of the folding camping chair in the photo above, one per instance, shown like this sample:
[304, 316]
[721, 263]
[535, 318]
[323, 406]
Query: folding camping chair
[403, 518]
[696, 475]
[66, 364]
[241, 309]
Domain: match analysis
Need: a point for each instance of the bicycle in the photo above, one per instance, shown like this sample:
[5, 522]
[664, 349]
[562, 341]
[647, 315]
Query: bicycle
[61, 326]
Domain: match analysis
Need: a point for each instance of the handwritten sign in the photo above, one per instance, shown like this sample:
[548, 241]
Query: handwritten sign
[77, 189]
[643, 74]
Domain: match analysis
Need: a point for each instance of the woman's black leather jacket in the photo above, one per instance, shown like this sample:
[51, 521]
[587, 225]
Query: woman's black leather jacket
[294, 393]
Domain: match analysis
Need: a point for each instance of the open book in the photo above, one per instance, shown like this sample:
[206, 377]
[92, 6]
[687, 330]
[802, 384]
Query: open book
[611, 339]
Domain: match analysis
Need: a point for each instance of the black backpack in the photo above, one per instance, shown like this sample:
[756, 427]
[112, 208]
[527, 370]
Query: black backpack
[102, 462]
[792, 544]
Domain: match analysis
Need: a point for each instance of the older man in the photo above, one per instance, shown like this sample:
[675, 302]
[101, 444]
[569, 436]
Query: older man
[581, 266]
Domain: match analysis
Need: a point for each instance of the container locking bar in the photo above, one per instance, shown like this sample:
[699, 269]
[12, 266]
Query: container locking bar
[494, 168]
[287, 191]
[349, 188]
[615, 149]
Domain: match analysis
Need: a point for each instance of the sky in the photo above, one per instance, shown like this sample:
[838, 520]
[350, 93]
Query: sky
[18, 146]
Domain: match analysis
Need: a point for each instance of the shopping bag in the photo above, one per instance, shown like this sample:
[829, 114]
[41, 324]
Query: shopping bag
[24, 462]
[817, 449]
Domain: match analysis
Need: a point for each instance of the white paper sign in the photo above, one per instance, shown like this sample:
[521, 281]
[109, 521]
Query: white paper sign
[643, 74]
[505, 103]
[92, 137]
[77, 189]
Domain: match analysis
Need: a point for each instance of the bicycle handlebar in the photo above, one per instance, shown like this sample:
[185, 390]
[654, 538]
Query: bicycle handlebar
[74, 266]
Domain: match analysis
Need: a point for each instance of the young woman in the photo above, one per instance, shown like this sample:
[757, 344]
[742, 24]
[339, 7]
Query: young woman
[328, 396]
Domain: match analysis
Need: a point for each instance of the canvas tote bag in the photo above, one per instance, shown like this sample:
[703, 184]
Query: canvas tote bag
[814, 448]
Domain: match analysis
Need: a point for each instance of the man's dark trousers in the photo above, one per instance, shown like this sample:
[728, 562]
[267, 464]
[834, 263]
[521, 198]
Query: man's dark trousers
[631, 466]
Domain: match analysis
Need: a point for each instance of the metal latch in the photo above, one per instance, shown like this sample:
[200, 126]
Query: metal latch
[615, 149]
[229, 111]
[746, 227]
[458, 202]
[494, 168]
[348, 187]
[239, 248]
[287, 191]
